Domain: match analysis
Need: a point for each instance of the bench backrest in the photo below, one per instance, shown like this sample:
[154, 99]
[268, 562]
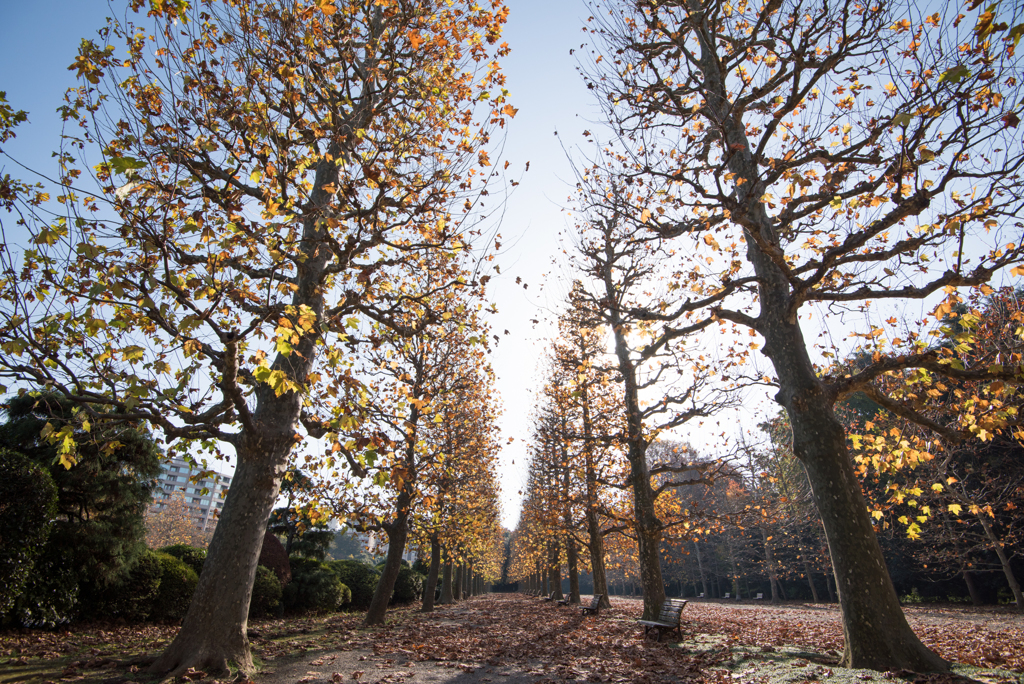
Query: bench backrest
[595, 601]
[671, 611]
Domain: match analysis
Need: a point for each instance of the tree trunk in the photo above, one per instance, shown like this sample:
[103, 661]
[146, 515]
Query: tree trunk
[397, 533]
[556, 570]
[1004, 561]
[574, 570]
[457, 584]
[969, 581]
[700, 568]
[213, 633]
[769, 559]
[447, 596]
[876, 632]
[596, 548]
[810, 580]
[435, 566]
[735, 568]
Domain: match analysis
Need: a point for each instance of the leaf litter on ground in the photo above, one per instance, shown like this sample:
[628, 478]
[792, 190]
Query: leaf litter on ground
[512, 638]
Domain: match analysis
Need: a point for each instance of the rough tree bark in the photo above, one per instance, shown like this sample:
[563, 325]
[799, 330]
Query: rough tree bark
[398, 532]
[556, 570]
[435, 566]
[213, 633]
[447, 594]
[574, 570]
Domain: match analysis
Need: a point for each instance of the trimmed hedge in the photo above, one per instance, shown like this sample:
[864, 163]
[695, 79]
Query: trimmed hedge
[28, 503]
[408, 586]
[50, 597]
[177, 584]
[314, 587]
[266, 594]
[193, 557]
[130, 598]
[360, 577]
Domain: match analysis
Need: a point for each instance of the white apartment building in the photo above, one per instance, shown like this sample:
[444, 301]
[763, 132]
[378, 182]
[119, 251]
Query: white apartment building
[176, 478]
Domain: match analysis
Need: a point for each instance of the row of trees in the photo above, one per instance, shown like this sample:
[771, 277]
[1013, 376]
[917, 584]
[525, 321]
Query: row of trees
[770, 162]
[746, 523]
[265, 208]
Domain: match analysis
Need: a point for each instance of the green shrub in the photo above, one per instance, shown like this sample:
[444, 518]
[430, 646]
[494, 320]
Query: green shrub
[130, 598]
[101, 501]
[190, 555]
[314, 587]
[266, 594]
[346, 594]
[28, 503]
[300, 565]
[50, 597]
[361, 578]
[408, 586]
[177, 584]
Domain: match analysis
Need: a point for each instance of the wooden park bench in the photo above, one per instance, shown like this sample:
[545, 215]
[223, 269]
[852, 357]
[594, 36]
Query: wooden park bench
[727, 595]
[668, 620]
[595, 605]
[759, 596]
[565, 600]
[550, 597]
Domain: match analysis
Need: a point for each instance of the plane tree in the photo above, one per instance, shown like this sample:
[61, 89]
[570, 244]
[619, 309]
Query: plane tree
[460, 497]
[406, 385]
[263, 167]
[836, 154]
[590, 410]
[667, 380]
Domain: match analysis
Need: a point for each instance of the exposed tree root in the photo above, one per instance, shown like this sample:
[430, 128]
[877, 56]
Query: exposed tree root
[178, 659]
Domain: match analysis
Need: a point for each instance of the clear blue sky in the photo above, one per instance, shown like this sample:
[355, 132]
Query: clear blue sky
[39, 38]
